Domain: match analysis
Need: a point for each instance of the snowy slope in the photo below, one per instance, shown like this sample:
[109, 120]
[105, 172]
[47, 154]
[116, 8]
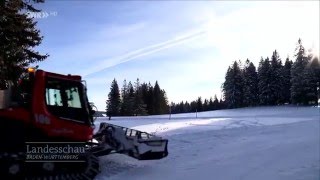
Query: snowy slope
[249, 143]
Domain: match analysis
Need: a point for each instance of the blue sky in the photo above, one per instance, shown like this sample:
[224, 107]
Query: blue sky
[185, 45]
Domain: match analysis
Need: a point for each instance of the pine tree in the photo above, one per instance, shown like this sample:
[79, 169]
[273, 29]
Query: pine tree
[18, 37]
[311, 79]
[276, 79]
[150, 99]
[130, 99]
[216, 104]
[139, 108]
[286, 84]
[233, 86]
[187, 107]
[172, 108]
[199, 104]
[181, 108]
[315, 68]
[125, 99]
[264, 82]
[193, 106]
[250, 78]
[298, 76]
[144, 91]
[211, 105]
[113, 102]
[222, 104]
[156, 98]
[164, 107]
[206, 105]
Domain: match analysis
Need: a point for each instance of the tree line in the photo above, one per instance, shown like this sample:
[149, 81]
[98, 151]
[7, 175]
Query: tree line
[145, 99]
[274, 83]
[138, 99]
[198, 105]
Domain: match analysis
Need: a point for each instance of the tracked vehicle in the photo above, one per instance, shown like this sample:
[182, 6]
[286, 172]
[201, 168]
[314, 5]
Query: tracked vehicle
[49, 109]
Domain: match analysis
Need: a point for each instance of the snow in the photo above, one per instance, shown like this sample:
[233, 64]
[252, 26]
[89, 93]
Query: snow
[250, 143]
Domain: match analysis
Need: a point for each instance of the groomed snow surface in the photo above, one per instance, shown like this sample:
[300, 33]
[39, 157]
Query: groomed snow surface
[265, 143]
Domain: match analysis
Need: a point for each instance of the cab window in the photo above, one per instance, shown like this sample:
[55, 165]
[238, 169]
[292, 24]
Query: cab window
[65, 99]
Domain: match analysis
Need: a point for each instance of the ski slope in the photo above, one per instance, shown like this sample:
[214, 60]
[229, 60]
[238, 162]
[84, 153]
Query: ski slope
[250, 143]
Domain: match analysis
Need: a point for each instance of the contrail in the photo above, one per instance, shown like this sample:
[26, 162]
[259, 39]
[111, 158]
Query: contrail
[142, 52]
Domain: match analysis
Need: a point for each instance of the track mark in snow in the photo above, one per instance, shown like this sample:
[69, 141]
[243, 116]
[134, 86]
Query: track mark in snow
[116, 164]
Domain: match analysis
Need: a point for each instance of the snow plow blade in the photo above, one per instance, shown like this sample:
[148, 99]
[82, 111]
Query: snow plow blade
[137, 144]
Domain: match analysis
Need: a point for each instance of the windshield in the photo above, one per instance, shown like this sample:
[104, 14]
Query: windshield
[66, 99]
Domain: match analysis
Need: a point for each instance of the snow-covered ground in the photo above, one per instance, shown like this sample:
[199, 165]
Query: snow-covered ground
[249, 143]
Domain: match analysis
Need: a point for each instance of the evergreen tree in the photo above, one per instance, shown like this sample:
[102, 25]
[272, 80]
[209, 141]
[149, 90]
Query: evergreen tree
[187, 107]
[172, 108]
[298, 76]
[193, 106]
[206, 105]
[144, 91]
[216, 104]
[113, 102]
[315, 68]
[130, 99]
[156, 98]
[311, 79]
[276, 79]
[264, 82]
[18, 37]
[222, 104]
[180, 107]
[233, 86]
[139, 108]
[164, 107]
[150, 99]
[250, 78]
[199, 104]
[124, 109]
[286, 84]
[211, 105]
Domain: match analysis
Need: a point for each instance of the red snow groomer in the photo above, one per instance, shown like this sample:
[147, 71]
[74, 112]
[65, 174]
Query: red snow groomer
[49, 110]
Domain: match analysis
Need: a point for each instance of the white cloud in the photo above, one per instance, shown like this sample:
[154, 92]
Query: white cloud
[151, 49]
